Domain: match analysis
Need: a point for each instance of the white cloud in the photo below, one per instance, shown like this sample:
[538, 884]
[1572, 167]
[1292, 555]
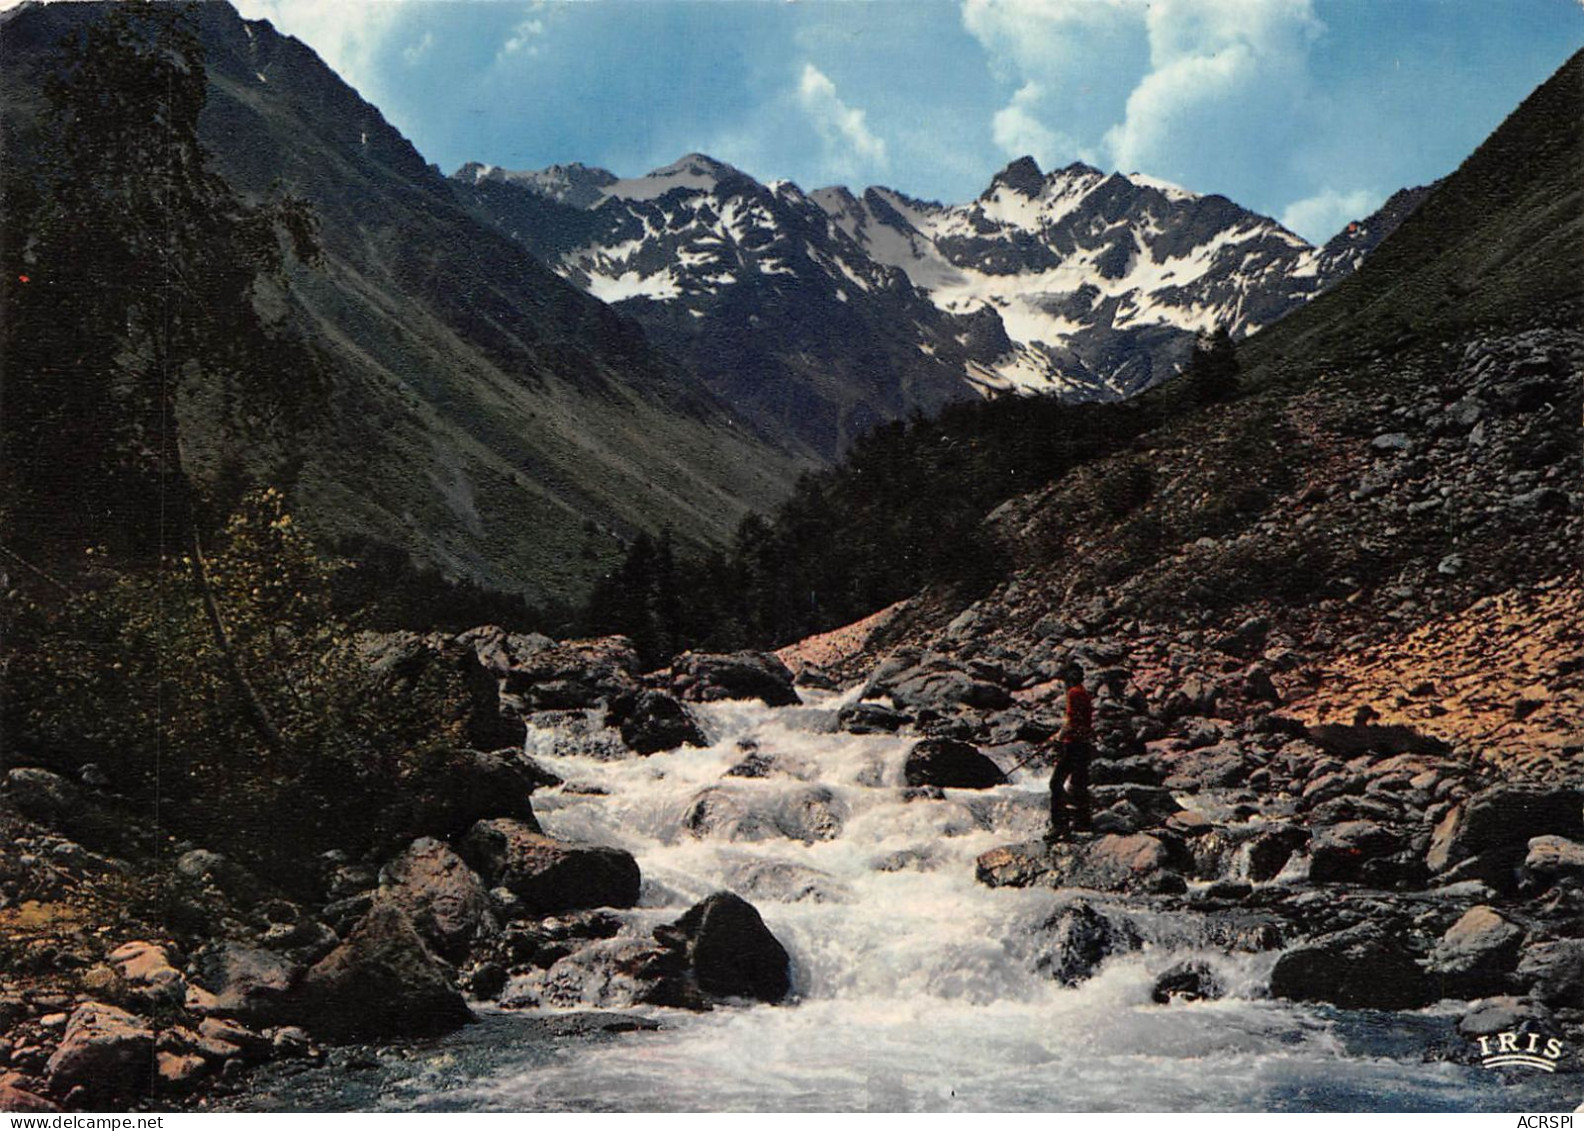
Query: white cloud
[1190, 70]
[1319, 217]
[848, 139]
[525, 38]
[347, 34]
[1017, 130]
[1208, 57]
[1029, 37]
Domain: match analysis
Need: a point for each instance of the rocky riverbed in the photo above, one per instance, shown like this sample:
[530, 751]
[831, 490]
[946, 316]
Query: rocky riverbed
[712, 835]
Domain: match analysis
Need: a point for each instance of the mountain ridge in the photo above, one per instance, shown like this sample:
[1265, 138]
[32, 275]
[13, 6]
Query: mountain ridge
[1077, 283]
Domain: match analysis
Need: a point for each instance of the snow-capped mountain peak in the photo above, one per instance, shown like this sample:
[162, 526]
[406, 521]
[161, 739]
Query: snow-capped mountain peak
[1077, 282]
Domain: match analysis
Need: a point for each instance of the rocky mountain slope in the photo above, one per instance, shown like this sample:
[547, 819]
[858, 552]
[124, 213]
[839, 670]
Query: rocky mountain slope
[784, 315]
[1074, 283]
[485, 417]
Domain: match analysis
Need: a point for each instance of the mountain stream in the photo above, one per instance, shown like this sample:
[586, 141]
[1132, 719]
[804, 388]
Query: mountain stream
[914, 987]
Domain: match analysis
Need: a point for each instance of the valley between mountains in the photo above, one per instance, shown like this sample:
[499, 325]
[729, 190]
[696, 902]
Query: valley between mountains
[551, 641]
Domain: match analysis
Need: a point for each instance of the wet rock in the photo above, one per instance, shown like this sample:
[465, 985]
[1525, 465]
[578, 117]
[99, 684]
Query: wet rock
[1360, 967]
[782, 881]
[870, 718]
[653, 721]
[1503, 819]
[1267, 852]
[1554, 972]
[244, 982]
[949, 764]
[105, 1051]
[1077, 939]
[382, 982]
[445, 899]
[548, 875]
[1338, 854]
[1013, 865]
[1504, 1014]
[757, 765]
[705, 677]
[811, 815]
[728, 815]
[1476, 954]
[760, 764]
[1186, 981]
[731, 952]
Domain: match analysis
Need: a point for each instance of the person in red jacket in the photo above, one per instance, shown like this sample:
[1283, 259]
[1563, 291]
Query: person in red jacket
[1077, 748]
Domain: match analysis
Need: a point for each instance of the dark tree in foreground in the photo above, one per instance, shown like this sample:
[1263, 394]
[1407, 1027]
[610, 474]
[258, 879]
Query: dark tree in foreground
[130, 268]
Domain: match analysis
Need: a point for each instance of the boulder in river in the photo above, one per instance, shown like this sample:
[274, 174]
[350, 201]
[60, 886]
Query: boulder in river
[1075, 940]
[950, 764]
[1141, 862]
[382, 982]
[1186, 981]
[548, 875]
[1013, 865]
[730, 950]
[705, 677]
[652, 721]
[1360, 967]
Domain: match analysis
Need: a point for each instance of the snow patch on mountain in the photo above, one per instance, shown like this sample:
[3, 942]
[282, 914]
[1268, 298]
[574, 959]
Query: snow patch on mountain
[1096, 282]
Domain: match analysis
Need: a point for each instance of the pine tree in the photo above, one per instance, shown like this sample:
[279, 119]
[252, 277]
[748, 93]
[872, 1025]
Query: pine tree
[1212, 373]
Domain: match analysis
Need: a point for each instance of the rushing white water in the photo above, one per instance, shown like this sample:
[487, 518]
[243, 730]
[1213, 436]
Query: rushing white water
[914, 985]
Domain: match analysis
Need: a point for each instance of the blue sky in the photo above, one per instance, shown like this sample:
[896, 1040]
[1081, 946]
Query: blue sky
[1312, 111]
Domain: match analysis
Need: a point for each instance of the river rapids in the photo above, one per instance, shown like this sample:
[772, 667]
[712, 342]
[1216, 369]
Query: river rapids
[915, 988]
